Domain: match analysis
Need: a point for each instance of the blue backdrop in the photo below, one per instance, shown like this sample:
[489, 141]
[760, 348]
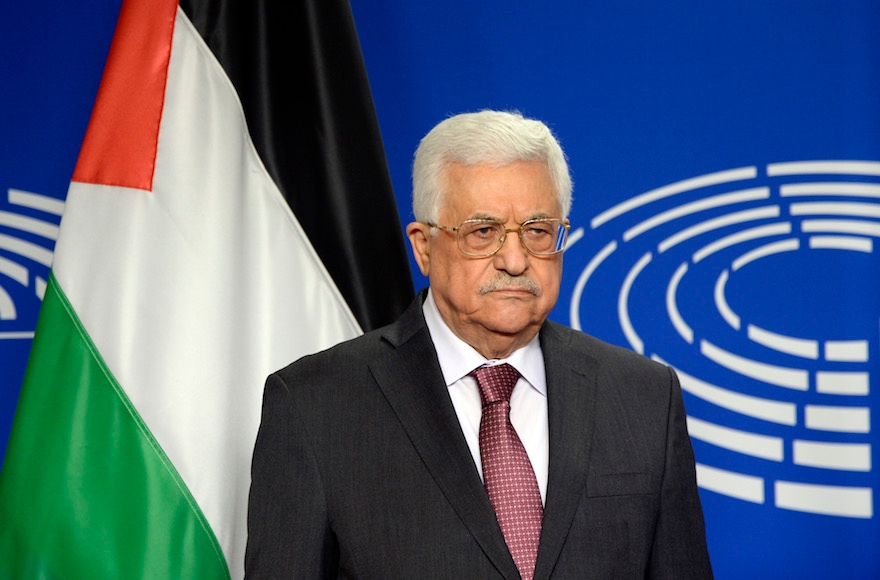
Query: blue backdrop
[726, 161]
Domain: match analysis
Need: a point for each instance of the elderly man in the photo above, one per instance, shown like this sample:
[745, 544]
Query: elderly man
[473, 438]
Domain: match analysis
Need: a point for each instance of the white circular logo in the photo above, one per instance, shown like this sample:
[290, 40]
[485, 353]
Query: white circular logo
[759, 285]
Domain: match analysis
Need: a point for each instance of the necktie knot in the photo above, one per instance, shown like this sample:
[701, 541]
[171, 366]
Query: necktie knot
[496, 382]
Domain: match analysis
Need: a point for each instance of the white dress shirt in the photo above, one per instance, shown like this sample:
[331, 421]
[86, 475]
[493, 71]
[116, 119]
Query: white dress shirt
[528, 403]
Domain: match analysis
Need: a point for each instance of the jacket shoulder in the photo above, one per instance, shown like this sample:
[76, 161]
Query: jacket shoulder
[353, 356]
[558, 336]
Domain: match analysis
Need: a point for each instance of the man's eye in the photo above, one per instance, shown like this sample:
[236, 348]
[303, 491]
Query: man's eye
[483, 230]
[486, 231]
[537, 231]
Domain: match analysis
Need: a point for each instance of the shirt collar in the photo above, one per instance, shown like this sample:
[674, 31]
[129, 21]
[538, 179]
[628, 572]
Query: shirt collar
[458, 359]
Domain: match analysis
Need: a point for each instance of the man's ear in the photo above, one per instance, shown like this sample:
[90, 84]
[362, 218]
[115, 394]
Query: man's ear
[419, 235]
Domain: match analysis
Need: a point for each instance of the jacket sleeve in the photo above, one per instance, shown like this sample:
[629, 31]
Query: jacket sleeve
[679, 550]
[289, 535]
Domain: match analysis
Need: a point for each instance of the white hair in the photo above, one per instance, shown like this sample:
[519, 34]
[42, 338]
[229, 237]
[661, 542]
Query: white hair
[488, 137]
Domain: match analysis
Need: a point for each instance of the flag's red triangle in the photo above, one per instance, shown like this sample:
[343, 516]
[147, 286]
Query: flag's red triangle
[120, 143]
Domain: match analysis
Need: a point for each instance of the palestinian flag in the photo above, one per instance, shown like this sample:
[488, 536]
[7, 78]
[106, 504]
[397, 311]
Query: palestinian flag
[230, 212]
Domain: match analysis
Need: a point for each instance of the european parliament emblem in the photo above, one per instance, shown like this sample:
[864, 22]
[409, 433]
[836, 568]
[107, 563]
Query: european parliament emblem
[758, 285]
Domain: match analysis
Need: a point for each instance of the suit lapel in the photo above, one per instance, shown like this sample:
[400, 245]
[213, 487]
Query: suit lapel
[571, 392]
[413, 384]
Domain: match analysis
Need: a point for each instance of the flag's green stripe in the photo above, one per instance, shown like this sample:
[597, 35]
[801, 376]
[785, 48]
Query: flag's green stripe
[86, 491]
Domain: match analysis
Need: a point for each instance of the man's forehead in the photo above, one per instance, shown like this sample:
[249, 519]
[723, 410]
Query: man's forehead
[501, 209]
[486, 215]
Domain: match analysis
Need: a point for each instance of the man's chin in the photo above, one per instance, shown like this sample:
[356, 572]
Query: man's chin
[512, 321]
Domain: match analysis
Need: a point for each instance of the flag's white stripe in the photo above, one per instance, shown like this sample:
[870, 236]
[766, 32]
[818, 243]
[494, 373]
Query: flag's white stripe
[195, 291]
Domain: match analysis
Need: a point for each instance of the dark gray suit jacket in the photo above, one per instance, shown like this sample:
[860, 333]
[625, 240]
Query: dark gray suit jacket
[361, 470]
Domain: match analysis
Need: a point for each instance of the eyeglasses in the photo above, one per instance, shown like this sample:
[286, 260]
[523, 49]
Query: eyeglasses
[481, 238]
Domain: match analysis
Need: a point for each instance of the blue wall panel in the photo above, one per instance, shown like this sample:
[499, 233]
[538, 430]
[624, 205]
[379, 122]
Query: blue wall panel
[732, 253]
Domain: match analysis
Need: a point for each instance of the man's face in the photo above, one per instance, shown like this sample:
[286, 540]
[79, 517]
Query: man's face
[498, 303]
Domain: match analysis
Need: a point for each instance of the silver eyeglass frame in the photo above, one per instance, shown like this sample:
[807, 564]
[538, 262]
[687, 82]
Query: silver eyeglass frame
[459, 240]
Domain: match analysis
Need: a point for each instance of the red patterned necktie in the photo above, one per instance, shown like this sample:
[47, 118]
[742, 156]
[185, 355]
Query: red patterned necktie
[507, 472]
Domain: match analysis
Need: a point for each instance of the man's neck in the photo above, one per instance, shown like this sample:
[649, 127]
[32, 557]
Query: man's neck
[497, 345]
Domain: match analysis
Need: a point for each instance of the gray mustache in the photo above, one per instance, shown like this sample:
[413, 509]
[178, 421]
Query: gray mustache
[503, 281]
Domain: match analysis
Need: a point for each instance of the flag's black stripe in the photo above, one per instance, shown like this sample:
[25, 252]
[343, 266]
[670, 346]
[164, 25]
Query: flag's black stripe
[299, 72]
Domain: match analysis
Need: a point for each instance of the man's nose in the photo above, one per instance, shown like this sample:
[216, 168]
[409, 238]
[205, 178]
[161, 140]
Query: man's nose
[513, 256]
